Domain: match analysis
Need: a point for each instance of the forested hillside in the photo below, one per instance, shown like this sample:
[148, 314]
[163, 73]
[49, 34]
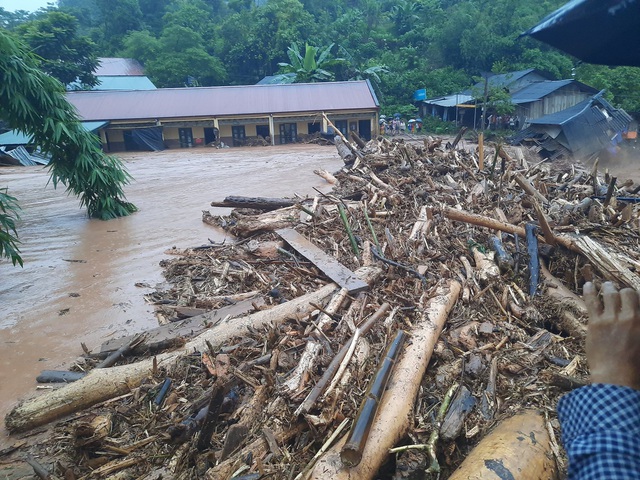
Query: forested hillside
[440, 45]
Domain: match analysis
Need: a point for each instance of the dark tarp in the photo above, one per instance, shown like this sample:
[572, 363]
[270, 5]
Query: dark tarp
[148, 138]
[595, 31]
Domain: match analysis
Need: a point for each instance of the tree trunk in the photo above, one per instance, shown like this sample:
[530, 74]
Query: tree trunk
[259, 203]
[519, 447]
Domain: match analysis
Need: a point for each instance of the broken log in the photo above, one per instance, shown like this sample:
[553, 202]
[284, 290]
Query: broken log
[326, 175]
[459, 136]
[257, 203]
[518, 447]
[59, 376]
[104, 384]
[189, 327]
[269, 221]
[481, 221]
[610, 265]
[528, 188]
[336, 362]
[394, 414]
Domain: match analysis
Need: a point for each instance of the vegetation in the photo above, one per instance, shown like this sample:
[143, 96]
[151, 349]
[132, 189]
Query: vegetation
[400, 45]
[64, 54]
[34, 103]
[8, 234]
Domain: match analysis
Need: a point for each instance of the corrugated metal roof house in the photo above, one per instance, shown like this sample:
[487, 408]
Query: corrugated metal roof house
[117, 67]
[119, 74]
[511, 81]
[196, 116]
[582, 130]
[543, 98]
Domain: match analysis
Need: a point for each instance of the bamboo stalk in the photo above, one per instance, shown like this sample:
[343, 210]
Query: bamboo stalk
[394, 415]
[345, 221]
[351, 452]
[534, 263]
[373, 232]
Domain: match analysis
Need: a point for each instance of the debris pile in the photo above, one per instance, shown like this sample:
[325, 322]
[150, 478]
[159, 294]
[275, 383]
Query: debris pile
[379, 331]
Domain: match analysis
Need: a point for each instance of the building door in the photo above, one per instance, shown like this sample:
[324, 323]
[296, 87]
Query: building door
[313, 127]
[262, 131]
[342, 126]
[364, 129]
[238, 134]
[130, 144]
[210, 135]
[186, 137]
[288, 133]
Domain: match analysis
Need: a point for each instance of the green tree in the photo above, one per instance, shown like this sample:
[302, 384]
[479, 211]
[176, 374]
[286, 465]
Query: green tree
[65, 55]
[182, 57]
[310, 67]
[352, 70]
[119, 17]
[622, 84]
[33, 102]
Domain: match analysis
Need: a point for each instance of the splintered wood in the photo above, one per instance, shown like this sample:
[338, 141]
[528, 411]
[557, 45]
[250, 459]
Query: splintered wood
[263, 361]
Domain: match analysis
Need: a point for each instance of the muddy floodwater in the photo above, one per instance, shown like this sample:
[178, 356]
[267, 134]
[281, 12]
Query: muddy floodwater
[79, 279]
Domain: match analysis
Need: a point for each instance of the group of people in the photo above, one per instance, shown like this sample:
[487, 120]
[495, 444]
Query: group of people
[398, 126]
[503, 122]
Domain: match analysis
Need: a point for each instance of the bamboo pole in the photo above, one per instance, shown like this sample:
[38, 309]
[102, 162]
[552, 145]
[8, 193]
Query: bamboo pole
[394, 415]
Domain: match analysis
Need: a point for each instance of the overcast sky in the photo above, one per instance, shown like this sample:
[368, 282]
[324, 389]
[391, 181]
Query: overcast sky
[28, 5]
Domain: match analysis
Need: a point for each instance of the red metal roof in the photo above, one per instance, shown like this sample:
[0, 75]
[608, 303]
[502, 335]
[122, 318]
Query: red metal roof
[220, 101]
[113, 67]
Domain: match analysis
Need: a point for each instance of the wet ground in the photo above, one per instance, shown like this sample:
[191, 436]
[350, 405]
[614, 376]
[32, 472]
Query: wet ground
[79, 279]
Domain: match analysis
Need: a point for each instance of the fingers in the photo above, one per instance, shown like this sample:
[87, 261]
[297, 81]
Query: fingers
[629, 305]
[594, 307]
[615, 306]
[611, 301]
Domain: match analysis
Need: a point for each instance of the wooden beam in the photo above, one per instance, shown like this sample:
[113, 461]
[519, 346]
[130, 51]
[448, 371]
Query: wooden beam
[331, 267]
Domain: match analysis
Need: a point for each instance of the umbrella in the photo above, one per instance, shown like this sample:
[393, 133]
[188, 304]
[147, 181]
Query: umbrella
[396, 115]
[412, 120]
[595, 31]
[419, 120]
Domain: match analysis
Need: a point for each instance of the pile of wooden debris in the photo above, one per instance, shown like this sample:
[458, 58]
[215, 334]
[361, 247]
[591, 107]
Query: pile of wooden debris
[379, 331]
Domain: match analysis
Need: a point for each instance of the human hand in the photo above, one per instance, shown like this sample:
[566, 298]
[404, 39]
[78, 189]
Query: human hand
[613, 335]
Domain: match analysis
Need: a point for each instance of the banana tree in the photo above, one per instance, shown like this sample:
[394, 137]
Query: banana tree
[310, 67]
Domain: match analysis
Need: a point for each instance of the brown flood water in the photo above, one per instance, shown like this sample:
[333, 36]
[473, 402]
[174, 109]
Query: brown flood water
[53, 304]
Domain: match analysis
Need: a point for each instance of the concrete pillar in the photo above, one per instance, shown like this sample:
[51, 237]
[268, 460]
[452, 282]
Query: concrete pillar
[272, 130]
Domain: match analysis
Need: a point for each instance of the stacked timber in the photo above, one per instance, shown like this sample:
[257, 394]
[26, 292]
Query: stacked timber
[422, 308]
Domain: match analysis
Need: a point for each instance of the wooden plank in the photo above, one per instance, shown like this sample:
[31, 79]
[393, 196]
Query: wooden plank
[328, 265]
[188, 327]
